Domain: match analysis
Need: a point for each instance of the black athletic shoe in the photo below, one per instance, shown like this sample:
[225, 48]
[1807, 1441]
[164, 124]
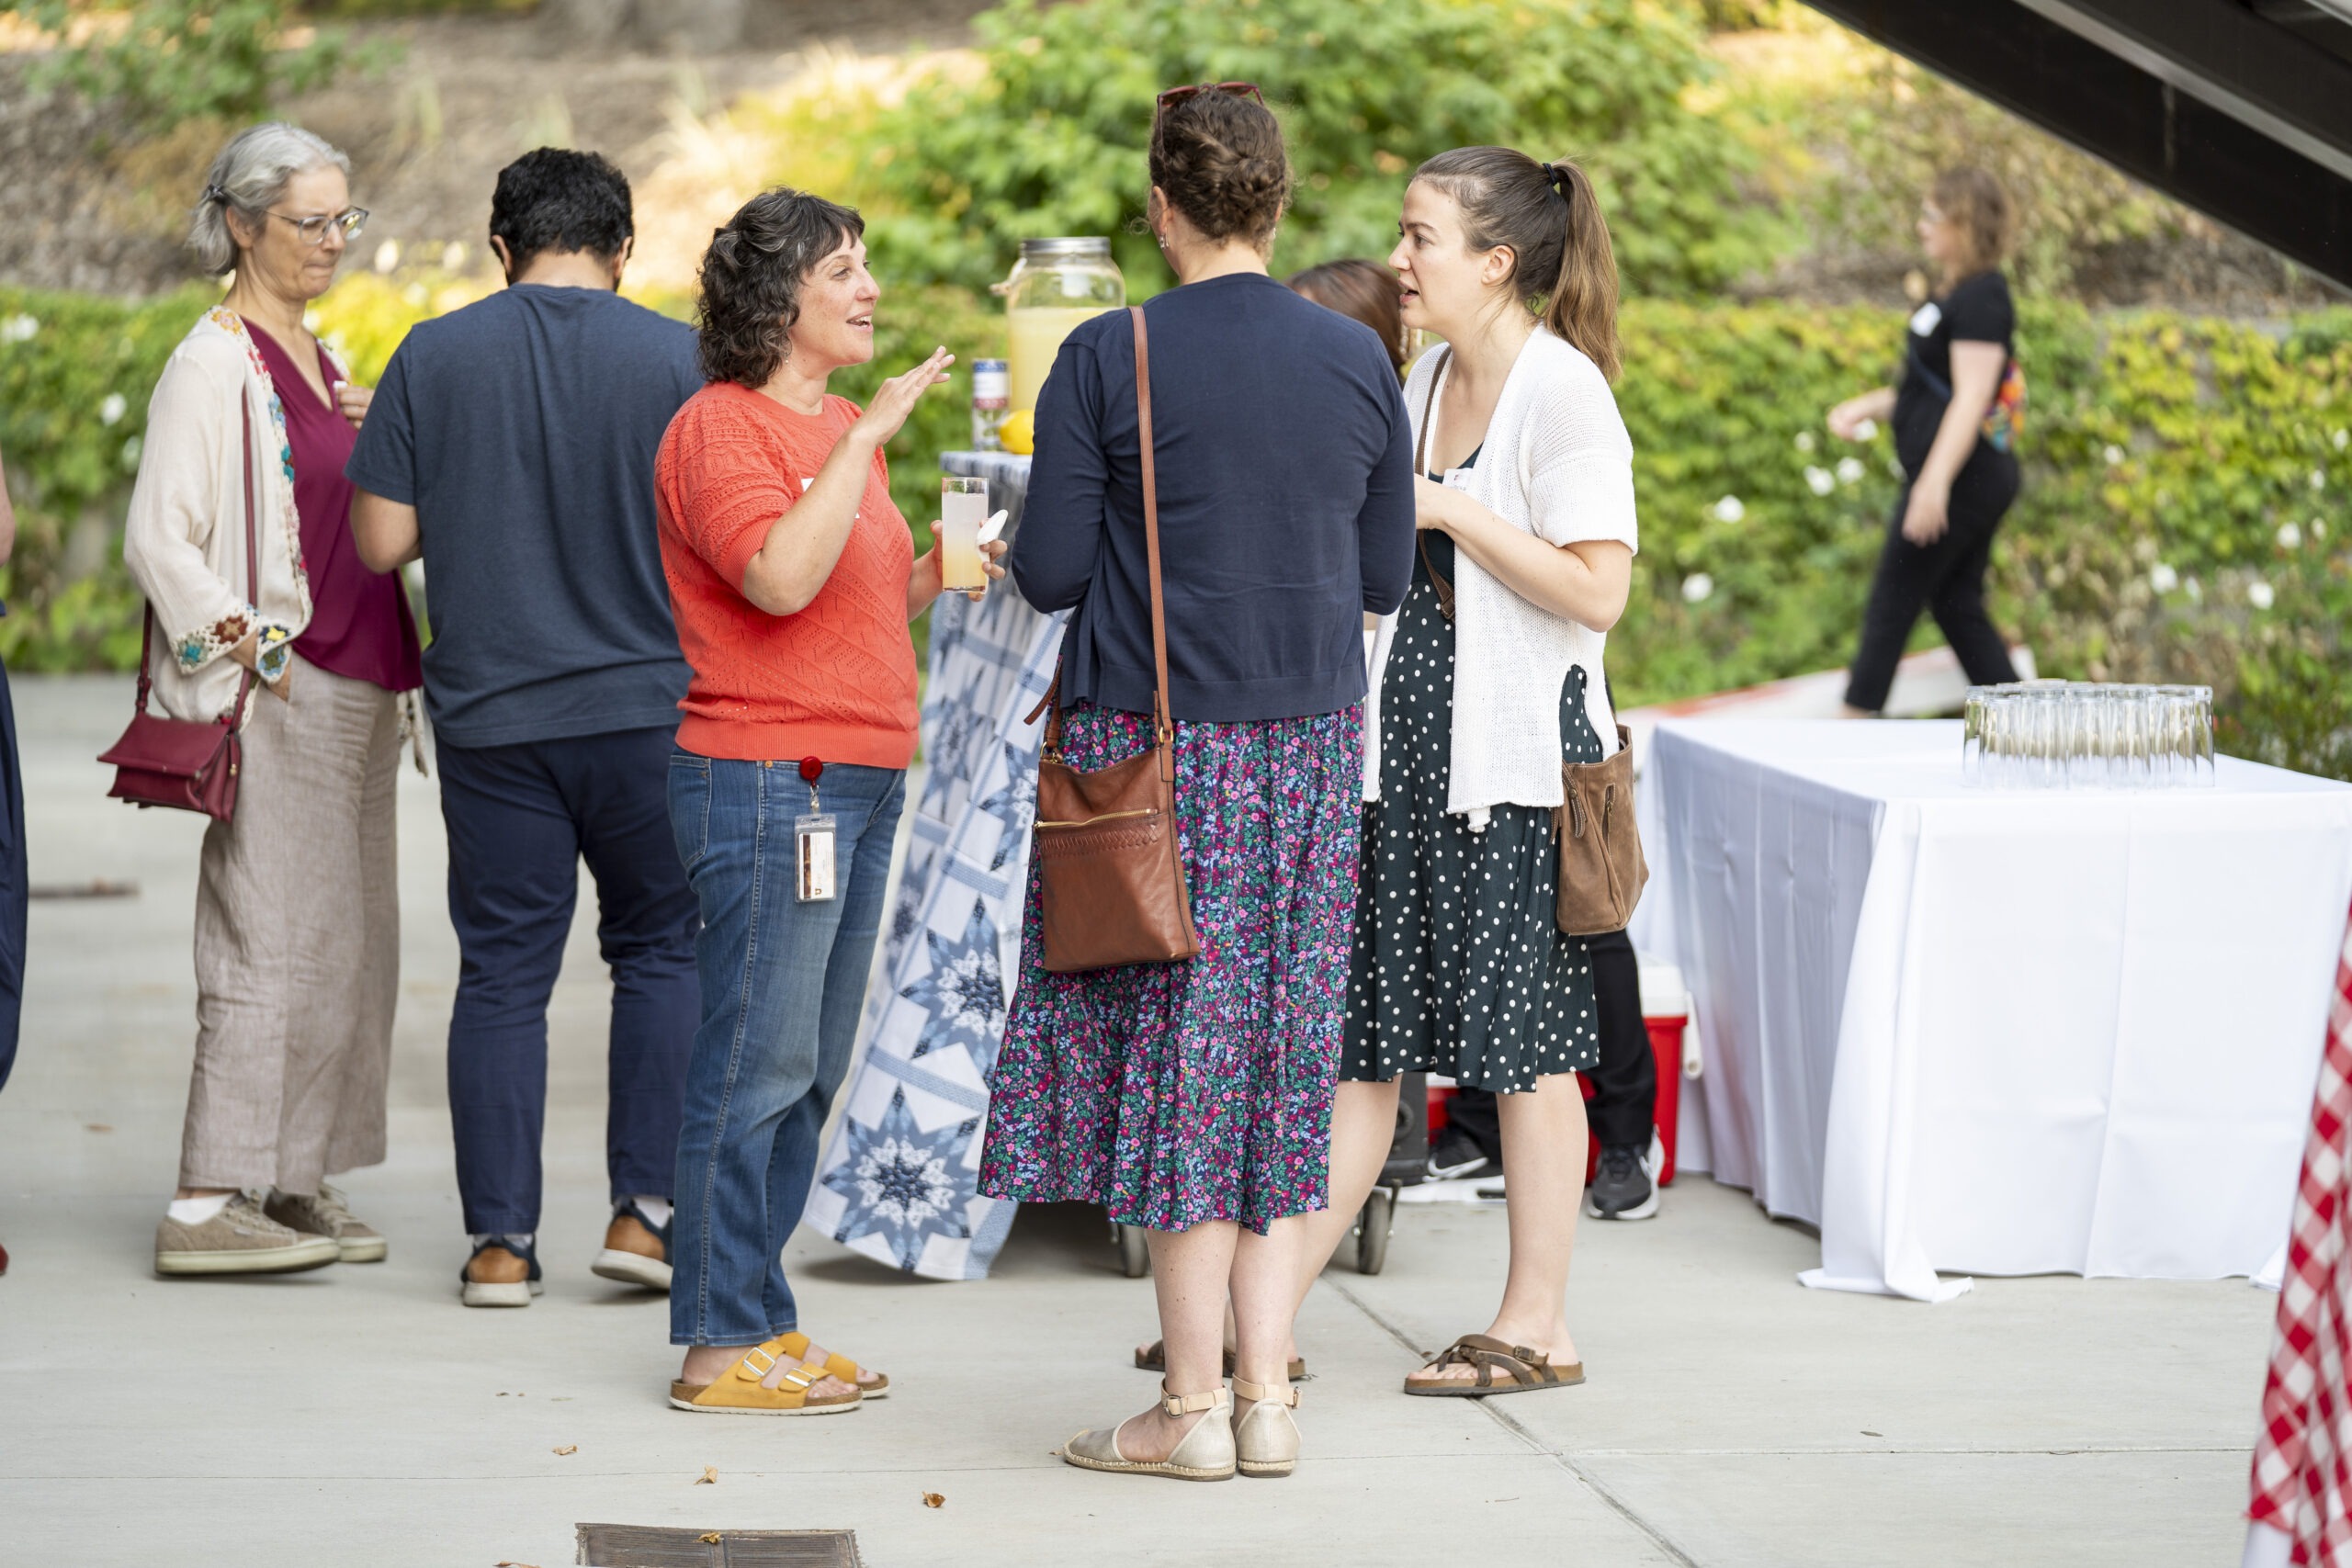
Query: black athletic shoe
[1456, 1154]
[1625, 1187]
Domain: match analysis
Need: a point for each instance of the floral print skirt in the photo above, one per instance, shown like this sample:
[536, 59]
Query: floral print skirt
[1176, 1093]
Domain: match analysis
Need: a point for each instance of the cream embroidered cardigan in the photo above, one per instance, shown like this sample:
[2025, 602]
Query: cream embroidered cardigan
[1557, 463]
[184, 538]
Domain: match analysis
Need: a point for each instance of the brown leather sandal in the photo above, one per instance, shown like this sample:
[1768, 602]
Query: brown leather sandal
[1153, 1358]
[1529, 1371]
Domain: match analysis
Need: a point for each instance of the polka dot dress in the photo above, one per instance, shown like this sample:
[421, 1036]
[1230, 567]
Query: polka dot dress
[1459, 966]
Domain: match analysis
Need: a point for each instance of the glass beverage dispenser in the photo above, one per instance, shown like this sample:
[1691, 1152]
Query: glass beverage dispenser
[1055, 285]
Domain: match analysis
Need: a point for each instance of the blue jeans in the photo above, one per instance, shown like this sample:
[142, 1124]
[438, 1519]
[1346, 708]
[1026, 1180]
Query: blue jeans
[521, 819]
[783, 983]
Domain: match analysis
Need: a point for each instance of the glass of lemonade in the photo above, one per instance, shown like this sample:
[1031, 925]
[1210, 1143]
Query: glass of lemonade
[963, 507]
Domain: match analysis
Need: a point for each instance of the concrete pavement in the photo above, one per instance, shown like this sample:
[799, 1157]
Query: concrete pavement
[360, 1415]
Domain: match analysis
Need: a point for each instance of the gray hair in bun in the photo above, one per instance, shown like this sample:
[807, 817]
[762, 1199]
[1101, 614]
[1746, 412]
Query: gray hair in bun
[250, 175]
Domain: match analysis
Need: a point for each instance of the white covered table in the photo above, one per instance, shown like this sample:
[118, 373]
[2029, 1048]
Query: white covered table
[2004, 1032]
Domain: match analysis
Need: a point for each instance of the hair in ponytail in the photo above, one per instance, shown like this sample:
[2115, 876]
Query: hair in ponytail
[1549, 217]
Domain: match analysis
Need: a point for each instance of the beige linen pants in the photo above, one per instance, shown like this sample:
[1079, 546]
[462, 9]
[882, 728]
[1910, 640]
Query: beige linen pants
[298, 946]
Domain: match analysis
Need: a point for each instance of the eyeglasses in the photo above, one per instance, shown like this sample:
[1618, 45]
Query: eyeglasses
[351, 220]
[1178, 95]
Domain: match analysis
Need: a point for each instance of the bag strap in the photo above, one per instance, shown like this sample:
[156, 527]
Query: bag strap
[236, 716]
[1163, 725]
[1420, 470]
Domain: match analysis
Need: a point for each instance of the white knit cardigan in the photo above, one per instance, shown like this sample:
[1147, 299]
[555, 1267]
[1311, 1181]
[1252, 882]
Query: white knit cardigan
[184, 539]
[1557, 463]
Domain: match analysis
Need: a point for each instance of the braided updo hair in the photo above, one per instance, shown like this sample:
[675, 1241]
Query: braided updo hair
[747, 292]
[1220, 158]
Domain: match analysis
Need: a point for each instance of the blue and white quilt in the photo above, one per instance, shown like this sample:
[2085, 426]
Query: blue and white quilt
[898, 1180]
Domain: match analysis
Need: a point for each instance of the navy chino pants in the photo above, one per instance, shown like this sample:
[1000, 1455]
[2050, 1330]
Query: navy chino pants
[520, 820]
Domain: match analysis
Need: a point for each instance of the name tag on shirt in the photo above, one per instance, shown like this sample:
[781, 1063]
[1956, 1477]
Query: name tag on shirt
[1926, 318]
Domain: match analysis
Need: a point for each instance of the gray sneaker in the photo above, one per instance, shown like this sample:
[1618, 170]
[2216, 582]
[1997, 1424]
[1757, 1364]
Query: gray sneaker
[327, 1215]
[240, 1239]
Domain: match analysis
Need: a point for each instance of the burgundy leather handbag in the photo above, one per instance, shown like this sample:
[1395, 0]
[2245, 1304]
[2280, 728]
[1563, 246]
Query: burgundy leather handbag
[187, 765]
[1110, 884]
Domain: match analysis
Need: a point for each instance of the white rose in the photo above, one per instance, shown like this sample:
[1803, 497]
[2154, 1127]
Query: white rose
[1805, 440]
[2114, 456]
[111, 409]
[1697, 587]
[2162, 579]
[1730, 509]
[1866, 429]
[1819, 481]
[2258, 595]
[1849, 470]
[2291, 538]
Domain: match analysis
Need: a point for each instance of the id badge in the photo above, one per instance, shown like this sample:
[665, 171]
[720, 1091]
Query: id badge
[813, 835]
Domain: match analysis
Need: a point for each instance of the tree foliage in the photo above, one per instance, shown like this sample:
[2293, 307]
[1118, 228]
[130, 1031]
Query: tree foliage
[164, 61]
[1052, 139]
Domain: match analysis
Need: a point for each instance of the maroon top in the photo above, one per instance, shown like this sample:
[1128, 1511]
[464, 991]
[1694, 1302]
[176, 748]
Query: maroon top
[360, 626]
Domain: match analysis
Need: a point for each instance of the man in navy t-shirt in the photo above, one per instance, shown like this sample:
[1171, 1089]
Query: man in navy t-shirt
[509, 446]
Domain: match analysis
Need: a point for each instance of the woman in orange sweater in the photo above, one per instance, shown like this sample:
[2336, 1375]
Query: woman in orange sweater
[793, 578]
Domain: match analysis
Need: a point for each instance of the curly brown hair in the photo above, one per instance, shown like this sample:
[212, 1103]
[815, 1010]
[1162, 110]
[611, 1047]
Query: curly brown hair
[1220, 158]
[747, 294]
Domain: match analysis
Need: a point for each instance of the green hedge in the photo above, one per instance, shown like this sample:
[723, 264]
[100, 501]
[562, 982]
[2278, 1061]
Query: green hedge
[2184, 515]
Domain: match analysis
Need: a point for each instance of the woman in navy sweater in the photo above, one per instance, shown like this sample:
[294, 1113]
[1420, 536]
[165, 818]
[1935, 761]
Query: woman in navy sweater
[1195, 1098]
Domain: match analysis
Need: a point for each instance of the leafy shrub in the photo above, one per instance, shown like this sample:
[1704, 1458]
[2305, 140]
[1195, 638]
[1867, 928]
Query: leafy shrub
[1051, 139]
[2185, 513]
[171, 61]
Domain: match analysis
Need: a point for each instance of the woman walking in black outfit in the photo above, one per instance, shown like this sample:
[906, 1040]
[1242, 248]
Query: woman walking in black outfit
[1952, 412]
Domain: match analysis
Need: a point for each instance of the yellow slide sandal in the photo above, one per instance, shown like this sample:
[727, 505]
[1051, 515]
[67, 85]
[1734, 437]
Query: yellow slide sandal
[839, 1366]
[739, 1393]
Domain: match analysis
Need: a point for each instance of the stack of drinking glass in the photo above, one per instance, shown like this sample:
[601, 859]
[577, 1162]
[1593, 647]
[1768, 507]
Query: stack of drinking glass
[2079, 735]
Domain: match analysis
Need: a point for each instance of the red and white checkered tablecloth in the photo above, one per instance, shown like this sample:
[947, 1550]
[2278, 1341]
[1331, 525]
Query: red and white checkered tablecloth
[2302, 1465]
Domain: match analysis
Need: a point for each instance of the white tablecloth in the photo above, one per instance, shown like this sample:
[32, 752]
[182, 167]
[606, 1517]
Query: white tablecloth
[2005, 1032]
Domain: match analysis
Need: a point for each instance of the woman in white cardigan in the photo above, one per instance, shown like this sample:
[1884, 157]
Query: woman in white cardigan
[297, 919]
[1488, 679]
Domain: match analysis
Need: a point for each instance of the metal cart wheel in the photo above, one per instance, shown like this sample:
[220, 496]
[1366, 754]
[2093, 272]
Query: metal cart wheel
[1372, 1225]
[1135, 1257]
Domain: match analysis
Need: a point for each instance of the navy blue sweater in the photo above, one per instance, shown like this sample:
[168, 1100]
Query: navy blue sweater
[1285, 469]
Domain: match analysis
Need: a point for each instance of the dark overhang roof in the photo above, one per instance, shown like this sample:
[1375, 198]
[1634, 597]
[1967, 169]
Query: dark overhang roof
[2240, 108]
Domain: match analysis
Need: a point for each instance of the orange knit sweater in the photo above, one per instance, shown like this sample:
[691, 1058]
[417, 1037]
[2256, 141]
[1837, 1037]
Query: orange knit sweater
[837, 680]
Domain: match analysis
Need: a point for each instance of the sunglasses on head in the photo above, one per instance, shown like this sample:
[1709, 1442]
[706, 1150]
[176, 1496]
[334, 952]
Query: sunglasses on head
[1240, 89]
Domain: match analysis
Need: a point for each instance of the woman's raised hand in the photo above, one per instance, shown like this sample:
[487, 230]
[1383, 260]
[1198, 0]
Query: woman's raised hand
[895, 399]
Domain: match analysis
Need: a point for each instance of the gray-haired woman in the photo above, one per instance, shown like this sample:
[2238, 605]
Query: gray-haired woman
[297, 918]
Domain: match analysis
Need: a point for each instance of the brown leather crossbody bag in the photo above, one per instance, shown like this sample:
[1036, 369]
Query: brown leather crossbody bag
[1602, 870]
[1111, 882]
[185, 763]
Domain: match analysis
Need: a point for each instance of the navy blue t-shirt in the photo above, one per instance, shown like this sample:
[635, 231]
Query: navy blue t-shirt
[523, 430]
[1285, 467]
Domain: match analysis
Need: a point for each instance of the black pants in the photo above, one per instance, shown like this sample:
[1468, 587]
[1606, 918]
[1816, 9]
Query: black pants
[521, 819]
[13, 889]
[1945, 578]
[1624, 1101]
